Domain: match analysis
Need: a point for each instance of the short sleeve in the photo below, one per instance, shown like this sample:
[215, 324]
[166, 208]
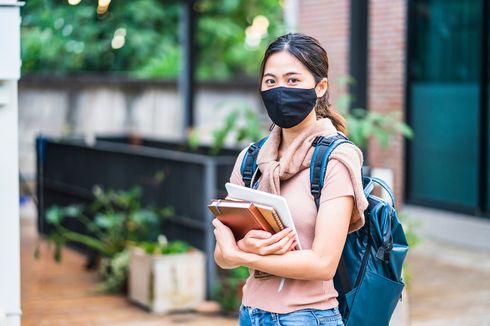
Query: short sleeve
[337, 183]
[236, 176]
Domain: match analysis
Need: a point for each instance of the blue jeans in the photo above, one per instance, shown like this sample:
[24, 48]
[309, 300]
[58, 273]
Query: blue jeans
[257, 317]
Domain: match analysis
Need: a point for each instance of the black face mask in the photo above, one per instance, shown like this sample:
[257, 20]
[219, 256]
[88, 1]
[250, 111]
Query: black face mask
[288, 106]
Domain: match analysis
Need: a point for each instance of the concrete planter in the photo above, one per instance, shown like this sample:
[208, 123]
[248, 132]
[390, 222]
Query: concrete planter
[167, 283]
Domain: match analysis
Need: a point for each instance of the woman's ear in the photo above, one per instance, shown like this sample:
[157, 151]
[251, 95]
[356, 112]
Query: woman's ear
[321, 88]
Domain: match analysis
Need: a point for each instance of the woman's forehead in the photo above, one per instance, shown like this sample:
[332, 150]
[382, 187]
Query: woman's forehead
[282, 63]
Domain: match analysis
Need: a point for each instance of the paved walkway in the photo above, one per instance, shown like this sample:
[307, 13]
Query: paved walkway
[450, 286]
[60, 294]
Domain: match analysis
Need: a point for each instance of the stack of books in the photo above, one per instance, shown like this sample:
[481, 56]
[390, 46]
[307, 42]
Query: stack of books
[247, 209]
[242, 216]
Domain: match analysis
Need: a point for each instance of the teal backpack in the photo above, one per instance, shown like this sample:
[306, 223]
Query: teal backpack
[369, 276]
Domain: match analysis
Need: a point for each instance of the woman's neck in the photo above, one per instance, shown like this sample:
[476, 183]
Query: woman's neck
[288, 135]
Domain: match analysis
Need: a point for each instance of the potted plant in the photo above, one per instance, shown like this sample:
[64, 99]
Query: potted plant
[112, 221]
[191, 179]
[166, 276]
[228, 292]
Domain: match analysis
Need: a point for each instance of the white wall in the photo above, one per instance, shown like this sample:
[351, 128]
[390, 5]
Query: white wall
[153, 111]
[9, 184]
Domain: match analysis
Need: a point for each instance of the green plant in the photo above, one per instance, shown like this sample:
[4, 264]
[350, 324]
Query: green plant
[411, 228]
[164, 247]
[193, 139]
[114, 272]
[113, 220]
[229, 291]
[140, 38]
[363, 124]
[249, 130]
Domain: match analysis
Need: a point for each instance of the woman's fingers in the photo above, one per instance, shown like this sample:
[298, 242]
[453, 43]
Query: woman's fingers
[278, 236]
[263, 243]
[284, 243]
[286, 247]
[258, 234]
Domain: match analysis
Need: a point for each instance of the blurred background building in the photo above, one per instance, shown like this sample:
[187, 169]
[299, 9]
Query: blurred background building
[429, 60]
[100, 71]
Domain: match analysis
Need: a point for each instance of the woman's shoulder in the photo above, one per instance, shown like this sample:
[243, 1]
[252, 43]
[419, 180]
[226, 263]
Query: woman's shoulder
[236, 174]
[244, 150]
[349, 153]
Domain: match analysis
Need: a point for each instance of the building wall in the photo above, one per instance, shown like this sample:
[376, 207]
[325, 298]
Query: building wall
[386, 80]
[101, 106]
[328, 21]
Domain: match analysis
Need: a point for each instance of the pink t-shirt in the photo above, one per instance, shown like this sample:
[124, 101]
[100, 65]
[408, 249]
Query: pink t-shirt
[298, 294]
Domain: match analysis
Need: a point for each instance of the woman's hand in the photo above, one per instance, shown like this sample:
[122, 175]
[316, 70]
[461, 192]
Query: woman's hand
[263, 243]
[226, 242]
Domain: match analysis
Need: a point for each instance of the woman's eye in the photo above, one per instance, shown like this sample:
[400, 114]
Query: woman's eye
[292, 80]
[269, 81]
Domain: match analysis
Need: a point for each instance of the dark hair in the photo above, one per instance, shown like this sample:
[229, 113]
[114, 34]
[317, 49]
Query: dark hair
[314, 57]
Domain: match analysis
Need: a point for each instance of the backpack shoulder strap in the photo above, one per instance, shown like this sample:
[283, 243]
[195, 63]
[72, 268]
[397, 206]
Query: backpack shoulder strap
[324, 146]
[249, 163]
[318, 166]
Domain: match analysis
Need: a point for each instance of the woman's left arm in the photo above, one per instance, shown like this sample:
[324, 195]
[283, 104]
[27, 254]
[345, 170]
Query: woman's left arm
[318, 263]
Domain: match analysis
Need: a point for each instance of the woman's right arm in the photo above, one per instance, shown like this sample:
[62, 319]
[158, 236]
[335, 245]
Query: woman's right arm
[220, 261]
[235, 178]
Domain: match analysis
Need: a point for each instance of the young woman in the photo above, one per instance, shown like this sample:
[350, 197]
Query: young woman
[295, 91]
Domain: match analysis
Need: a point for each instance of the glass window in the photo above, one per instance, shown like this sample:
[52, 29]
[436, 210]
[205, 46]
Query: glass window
[443, 67]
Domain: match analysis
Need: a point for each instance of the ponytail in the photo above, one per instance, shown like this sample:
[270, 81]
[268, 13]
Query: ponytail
[324, 109]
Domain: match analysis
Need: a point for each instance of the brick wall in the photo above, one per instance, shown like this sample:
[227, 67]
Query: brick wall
[328, 21]
[386, 80]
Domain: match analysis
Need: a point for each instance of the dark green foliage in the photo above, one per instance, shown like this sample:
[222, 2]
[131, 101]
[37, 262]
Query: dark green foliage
[114, 221]
[59, 38]
[164, 247]
[229, 291]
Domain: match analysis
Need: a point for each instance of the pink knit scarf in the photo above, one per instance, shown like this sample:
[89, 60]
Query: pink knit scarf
[298, 156]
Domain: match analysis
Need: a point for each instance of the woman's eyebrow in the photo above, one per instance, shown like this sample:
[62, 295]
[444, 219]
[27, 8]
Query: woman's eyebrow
[286, 74]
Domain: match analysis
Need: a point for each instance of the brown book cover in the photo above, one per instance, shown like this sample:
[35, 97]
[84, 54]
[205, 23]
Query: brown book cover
[239, 216]
[271, 217]
[243, 216]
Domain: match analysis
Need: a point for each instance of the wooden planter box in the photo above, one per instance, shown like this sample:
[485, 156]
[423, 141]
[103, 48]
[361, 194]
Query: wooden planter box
[166, 283]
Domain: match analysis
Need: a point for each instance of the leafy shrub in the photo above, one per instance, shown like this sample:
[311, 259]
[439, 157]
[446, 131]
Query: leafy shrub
[140, 38]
